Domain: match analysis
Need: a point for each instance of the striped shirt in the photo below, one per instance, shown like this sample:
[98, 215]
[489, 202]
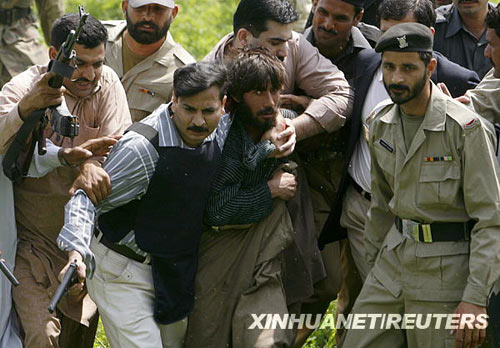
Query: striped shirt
[130, 166]
[239, 193]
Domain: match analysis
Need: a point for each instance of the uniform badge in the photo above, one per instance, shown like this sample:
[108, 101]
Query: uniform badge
[472, 124]
[402, 42]
[386, 146]
[439, 159]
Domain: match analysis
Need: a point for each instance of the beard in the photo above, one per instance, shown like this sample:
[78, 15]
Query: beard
[399, 97]
[247, 118]
[146, 37]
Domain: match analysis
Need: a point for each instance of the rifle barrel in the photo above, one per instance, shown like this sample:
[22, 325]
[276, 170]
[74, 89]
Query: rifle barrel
[8, 273]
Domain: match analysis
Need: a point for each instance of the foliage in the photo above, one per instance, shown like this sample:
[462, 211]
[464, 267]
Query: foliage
[324, 337]
[198, 27]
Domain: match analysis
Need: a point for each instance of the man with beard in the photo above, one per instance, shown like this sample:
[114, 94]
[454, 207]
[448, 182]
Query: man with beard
[93, 93]
[240, 270]
[144, 55]
[461, 34]
[432, 236]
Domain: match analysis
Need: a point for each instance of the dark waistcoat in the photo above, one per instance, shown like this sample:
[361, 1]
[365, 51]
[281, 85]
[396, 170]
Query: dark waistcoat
[167, 221]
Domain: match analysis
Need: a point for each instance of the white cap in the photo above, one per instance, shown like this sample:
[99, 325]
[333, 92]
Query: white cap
[139, 3]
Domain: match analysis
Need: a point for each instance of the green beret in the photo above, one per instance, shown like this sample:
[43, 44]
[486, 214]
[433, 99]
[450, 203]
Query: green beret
[406, 37]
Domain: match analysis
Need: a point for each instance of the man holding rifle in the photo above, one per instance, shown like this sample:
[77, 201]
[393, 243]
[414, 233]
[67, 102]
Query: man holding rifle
[94, 94]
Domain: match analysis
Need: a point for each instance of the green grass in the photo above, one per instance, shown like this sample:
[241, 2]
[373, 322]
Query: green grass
[100, 338]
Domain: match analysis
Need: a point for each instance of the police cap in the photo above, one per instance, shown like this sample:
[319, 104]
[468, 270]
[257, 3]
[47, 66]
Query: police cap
[406, 37]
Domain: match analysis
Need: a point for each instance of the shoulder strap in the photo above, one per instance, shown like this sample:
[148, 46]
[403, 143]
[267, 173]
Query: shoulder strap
[146, 131]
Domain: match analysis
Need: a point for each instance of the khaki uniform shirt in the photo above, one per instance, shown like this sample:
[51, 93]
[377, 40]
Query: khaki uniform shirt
[150, 83]
[39, 203]
[307, 70]
[20, 43]
[463, 187]
[485, 98]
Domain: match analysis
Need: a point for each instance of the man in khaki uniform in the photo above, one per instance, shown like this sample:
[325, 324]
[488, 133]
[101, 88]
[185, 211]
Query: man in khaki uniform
[96, 96]
[432, 236]
[144, 55]
[20, 43]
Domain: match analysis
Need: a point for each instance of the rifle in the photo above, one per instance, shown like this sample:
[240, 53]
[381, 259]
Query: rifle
[70, 278]
[18, 158]
[8, 273]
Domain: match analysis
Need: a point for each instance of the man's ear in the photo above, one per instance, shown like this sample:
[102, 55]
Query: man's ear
[124, 7]
[433, 30]
[244, 36]
[358, 18]
[432, 66]
[175, 10]
[52, 53]
[224, 101]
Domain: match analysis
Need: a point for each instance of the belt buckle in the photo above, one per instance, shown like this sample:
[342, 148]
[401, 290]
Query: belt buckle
[427, 233]
[410, 229]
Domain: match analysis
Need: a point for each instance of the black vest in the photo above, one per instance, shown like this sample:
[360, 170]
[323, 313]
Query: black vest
[168, 221]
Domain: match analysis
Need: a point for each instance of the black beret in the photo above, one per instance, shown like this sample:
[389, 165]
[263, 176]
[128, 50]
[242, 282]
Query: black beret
[406, 37]
[357, 3]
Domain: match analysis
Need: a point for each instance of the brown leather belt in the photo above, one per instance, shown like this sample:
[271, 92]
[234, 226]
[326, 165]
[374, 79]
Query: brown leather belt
[120, 249]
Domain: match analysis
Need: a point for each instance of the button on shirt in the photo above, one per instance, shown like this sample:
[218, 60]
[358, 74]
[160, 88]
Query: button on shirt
[130, 166]
[458, 44]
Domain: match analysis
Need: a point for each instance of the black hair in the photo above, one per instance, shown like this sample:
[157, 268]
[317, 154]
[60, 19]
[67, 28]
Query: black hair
[425, 57]
[92, 35]
[422, 10]
[493, 19]
[254, 14]
[195, 78]
[255, 70]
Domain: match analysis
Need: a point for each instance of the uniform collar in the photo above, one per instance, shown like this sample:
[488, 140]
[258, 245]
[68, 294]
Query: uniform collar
[454, 23]
[435, 116]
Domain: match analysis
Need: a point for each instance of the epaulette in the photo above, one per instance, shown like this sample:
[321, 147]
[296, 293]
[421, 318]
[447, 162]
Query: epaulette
[184, 56]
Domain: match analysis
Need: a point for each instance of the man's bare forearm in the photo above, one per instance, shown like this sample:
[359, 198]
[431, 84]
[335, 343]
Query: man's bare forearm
[306, 126]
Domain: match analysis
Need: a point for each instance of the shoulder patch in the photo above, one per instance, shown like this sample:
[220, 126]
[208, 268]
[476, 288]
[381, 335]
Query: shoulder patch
[474, 123]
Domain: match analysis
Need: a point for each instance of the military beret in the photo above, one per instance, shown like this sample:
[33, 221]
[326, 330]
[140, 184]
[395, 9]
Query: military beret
[357, 3]
[406, 37]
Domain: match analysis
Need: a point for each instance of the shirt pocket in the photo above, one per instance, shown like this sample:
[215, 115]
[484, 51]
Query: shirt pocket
[386, 160]
[438, 184]
[143, 100]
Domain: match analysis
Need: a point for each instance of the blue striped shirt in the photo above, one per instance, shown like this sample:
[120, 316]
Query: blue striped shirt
[130, 166]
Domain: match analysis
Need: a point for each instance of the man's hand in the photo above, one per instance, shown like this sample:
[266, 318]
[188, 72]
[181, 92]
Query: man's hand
[94, 180]
[463, 99]
[282, 136]
[469, 337]
[78, 288]
[75, 156]
[282, 185]
[40, 97]
[295, 102]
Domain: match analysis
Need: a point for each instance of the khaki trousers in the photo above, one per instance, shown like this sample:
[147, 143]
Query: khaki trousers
[416, 278]
[239, 274]
[123, 291]
[41, 328]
